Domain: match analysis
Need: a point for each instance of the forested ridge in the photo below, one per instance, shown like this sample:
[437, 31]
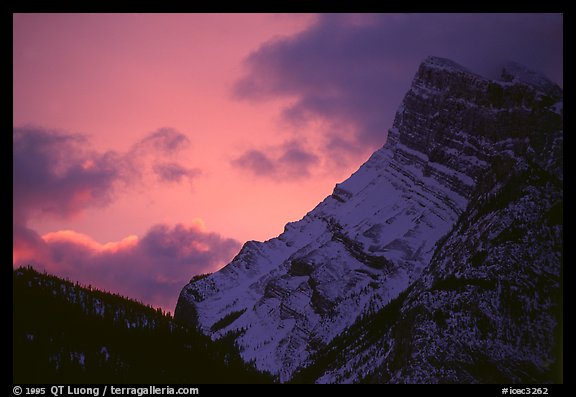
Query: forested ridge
[64, 332]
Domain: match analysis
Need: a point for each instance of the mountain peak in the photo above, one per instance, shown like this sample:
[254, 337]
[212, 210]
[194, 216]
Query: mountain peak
[434, 70]
[443, 63]
[514, 72]
[286, 299]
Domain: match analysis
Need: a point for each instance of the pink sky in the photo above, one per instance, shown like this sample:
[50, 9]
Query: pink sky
[116, 78]
[149, 147]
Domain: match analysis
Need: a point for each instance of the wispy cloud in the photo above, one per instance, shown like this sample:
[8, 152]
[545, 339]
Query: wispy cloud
[256, 161]
[164, 140]
[174, 172]
[288, 160]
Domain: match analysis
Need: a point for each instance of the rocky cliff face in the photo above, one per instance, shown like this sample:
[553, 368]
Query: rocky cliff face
[488, 307]
[453, 222]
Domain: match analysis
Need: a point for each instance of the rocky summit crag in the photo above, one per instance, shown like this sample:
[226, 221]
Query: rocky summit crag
[439, 260]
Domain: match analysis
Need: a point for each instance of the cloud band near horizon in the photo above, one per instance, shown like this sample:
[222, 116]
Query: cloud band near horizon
[57, 175]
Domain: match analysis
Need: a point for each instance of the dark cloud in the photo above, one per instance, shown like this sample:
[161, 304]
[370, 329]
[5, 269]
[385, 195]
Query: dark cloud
[290, 159]
[257, 162]
[152, 269]
[165, 140]
[150, 154]
[55, 173]
[58, 174]
[188, 245]
[351, 71]
[297, 160]
[174, 172]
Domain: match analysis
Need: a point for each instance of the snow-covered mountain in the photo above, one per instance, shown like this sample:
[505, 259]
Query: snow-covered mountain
[414, 215]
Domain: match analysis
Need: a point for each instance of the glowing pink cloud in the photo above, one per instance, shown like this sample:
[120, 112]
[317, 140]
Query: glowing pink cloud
[152, 268]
